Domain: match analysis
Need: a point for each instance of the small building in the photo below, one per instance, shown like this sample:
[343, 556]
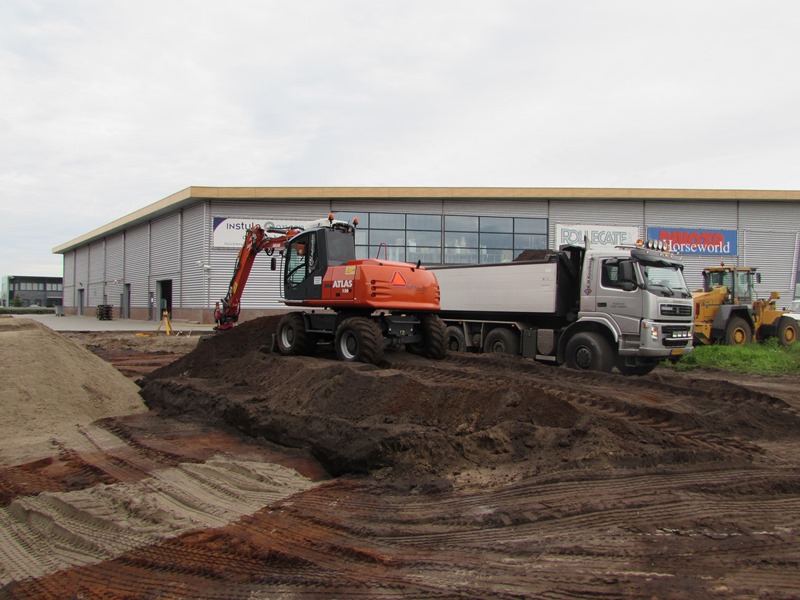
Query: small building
[178, 254]
[31, 290]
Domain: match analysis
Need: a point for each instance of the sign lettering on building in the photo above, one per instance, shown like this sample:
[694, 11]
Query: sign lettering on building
[229, 232]
[719, 242]
[598, 235]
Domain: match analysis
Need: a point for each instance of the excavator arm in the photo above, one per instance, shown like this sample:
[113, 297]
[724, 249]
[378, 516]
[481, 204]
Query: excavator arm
[255, 240]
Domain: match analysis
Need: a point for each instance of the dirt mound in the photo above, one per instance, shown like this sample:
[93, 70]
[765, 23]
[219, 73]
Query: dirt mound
[415, 417]
[49, 386]
[534, 255]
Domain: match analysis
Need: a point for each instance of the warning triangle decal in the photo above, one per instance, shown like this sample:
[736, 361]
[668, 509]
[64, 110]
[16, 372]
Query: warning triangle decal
[397, 279]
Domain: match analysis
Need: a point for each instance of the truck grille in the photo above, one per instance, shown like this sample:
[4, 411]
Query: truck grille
[675, 310]
[676, 336]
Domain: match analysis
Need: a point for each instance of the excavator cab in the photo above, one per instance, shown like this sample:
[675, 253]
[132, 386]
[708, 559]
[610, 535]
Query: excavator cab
[307, 257]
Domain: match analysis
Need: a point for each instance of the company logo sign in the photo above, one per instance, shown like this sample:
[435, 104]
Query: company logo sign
[718, 242]
[598, 235]
[229, 232]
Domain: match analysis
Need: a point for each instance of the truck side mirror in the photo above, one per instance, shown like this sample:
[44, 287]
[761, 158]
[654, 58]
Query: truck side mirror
[626, 275]
[628, 285]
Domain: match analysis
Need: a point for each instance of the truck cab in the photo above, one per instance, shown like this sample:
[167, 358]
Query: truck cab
[639, 296]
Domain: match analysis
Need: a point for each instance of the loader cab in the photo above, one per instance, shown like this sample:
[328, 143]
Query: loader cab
[309, 254]
[739, 281]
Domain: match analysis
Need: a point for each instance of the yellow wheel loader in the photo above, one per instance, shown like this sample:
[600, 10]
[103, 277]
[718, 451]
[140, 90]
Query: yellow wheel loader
[727, 310]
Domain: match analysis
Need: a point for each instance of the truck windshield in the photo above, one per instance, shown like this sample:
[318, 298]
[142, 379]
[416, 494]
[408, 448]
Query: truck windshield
[665, 280]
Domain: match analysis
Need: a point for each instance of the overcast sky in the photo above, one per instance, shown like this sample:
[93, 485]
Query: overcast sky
[107, 106]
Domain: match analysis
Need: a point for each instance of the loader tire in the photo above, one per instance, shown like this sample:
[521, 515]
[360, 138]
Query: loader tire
[787, 331]
[738, 332]
[359, 339]
[589, 351]
[292, 337]
[434, 338]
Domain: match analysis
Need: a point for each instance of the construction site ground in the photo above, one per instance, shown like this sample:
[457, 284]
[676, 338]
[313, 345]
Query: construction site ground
[191, 466]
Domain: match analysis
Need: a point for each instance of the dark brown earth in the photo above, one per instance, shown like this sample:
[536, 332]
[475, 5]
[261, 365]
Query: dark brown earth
[471, 477]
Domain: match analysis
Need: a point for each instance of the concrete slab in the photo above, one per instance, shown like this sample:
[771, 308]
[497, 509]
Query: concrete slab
[86, 323]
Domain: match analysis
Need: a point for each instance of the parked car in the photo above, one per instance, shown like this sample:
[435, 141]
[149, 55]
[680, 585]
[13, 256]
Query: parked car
[794, 310]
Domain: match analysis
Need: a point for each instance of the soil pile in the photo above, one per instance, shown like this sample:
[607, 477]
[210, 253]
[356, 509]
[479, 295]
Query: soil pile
[49, 386]
[415, 417]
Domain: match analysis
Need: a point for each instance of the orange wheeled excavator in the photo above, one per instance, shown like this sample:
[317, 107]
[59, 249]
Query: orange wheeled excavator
[360, 305]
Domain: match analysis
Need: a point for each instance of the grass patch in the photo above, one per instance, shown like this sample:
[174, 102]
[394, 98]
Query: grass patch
[766, 358]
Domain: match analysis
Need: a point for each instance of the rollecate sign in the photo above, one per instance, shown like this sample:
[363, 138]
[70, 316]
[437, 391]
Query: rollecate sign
[598, 235]
[229, 232]
[697, 241]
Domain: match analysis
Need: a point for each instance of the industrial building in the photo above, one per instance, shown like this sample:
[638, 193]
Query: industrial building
[31, 290]
[178, 254]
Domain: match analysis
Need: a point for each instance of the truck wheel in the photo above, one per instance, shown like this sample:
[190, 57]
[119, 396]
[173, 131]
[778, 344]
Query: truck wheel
[359, 339]
[292, 337]
[589, 351]
[434, 338]
[738, 332]
[501, 341]
[787, 331]
[455, 339]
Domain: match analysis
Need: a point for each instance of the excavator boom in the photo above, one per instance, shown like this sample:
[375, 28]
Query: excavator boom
[255, 240]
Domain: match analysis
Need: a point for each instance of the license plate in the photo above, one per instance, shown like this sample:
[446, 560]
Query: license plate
[677, 351]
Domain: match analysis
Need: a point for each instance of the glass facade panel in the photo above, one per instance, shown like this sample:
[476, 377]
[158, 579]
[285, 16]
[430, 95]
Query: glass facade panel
[423, 223]
[494, 255]
[387, 221]
[454, 223]
[497, 240]
[522, 225]
[424, 238]
[388, 252]
[460, 240]
[428, 256]
[363, 218]
[387, 236]
[362, 237]
[452, 239]
[461, 256]
[530, 242]
[497, 224]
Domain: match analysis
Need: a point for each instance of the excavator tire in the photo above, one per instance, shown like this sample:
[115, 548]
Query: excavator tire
[359, 339]
[292, 337]
[787, 331]
[434, 335]
[738, 332]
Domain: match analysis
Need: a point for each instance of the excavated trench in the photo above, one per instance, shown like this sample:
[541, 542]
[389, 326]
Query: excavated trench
[255, 475]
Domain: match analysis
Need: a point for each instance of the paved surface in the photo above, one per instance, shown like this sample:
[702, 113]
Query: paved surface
[87, 323]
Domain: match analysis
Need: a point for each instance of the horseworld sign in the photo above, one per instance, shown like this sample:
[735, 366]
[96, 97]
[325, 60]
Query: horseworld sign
[718, 242]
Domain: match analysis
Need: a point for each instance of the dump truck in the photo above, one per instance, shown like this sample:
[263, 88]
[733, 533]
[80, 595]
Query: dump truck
[593, 309]
[362, 306]
[728, 311]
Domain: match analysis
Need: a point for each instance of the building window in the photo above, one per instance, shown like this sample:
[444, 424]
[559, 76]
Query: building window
[452, 239]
